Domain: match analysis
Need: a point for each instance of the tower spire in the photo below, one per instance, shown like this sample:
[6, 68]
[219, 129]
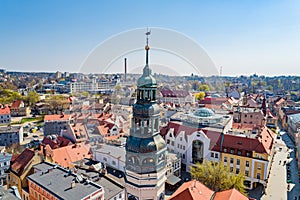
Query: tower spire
[147, 47]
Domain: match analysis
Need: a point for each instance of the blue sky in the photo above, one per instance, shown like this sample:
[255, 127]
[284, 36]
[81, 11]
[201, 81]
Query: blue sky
[244, 37]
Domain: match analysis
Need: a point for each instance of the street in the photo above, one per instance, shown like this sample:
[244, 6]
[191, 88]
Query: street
[278, 186]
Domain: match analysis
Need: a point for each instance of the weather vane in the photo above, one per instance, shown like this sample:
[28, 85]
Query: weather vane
[148, 33]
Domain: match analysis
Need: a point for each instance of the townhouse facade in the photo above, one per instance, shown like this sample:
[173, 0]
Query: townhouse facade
[249, 156]
[11, 135]
[5, 115]
[53, 124]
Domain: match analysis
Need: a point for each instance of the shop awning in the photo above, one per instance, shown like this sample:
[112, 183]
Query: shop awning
[172, 179]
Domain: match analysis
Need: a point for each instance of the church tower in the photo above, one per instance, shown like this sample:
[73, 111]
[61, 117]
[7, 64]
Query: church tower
[145, 148]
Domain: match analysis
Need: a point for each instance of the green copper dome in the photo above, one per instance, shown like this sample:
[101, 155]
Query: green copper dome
[146, 79]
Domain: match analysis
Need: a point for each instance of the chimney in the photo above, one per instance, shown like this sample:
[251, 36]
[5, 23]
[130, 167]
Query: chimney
[125, 65]
[73, 184]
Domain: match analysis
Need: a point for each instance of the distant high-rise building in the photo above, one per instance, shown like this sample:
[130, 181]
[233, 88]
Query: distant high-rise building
[145, 148]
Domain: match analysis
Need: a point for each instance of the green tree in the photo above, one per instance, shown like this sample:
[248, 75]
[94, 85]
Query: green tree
[217, 177]
[8, 96]
[58, 103]
[85, 94]
[32, 98]
[203, 87]
[200, 96]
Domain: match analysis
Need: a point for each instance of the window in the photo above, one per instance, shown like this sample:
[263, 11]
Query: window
[172, 143]
[212, 155]
[238, 162]
[225, 159]
[168, 141]
[259, 166]
[246, 173]
[183, 156]
[180, 138]
[247, 163]
[232, 151]
[183, 147]
[237, 171]
[225, 150]
[258, 175]
[105, 159]
[216, 155]
[178, 146]
[239, 153]
[231, 160]
[248, 154]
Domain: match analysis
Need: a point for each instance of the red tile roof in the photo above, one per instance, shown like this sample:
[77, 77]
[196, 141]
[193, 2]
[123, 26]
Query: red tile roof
[62, 117]
[64, 156]
[178, 127]
[192, 190]
[243, 126]
[213, 101]
[4, 110]
[174, 93]
[57, 142]
[279, 101]
[16, 104]
[231, 194]
[262, 144]
[20, 163]
[80, 132]
[195, 190]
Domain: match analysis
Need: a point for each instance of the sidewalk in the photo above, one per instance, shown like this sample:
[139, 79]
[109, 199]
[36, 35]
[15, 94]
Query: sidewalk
[277, 185]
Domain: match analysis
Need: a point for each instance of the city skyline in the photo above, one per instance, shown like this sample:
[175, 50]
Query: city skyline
[243, 37]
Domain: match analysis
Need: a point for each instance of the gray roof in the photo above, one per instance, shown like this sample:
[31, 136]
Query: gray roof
[9, 129]
[5, 157]
[111, 188]
[8, 194]
[115, 151]
[57, 181]
[295, 117]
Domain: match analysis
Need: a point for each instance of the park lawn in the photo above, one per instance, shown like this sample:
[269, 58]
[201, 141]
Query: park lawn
[29, 119]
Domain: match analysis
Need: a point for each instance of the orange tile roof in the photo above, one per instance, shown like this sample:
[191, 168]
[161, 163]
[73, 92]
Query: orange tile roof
[20, 163]
[4, 110]
[64, 156]
[266, 138]
[243, 126]
[192, 190]
[62, 117]
[16, 104]
[80, 132]
[231, 194]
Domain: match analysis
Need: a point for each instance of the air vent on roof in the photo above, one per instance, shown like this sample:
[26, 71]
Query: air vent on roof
[240, 143]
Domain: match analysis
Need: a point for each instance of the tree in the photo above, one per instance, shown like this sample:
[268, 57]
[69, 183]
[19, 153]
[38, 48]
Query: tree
[58, 103]
[200, 96]
[217, 177]
[203, 87]
[8, 96]
[32, 98]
